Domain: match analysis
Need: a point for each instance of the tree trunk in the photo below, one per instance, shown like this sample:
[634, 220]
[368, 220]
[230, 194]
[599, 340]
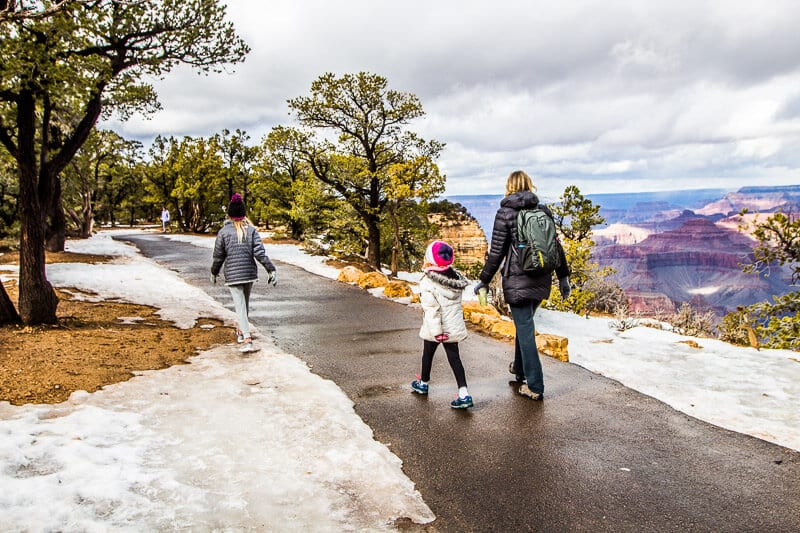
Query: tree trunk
[296, 229]
[57, 229]
[374, 243]
[373, 223]
[396, 245]
[8, 314]
[37, 300]
[87, 220]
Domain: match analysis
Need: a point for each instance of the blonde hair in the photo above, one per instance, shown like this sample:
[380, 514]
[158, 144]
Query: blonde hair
[519, 181]
[241, 228]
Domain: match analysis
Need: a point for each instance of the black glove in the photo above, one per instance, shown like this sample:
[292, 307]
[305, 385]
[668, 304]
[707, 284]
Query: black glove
[214, 279]
[479, 286]
[564, 288]
[273, 278]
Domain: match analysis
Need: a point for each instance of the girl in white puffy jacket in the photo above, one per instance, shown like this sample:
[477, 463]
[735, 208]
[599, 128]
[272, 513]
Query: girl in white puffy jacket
[443, 320]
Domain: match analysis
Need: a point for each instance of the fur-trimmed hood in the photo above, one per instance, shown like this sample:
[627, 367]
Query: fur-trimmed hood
[450, 278]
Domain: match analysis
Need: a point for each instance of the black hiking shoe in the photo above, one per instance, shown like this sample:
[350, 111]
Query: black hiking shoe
[519, 377]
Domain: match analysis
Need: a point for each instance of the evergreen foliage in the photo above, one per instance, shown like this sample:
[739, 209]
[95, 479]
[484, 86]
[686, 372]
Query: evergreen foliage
[575, 215]
[778, 244]
[291, 197]
[450, 210]
[66, 64]
[356, 142]
[189, 178]
[238, 160]
[774, 324]
[103, 183]
[9, 197]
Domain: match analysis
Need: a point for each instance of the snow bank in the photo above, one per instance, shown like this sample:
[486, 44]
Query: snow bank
[224, 443]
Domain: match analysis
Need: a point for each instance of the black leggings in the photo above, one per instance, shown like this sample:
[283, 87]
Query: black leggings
[451, 349]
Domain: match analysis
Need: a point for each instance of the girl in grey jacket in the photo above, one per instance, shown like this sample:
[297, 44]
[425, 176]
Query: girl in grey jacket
[238, 247]
[443, 320]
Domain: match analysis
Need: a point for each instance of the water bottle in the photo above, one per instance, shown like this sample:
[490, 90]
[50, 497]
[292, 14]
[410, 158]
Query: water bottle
[482, 296]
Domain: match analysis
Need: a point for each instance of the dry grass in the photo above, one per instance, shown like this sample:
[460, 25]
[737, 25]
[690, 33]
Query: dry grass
[93, 345]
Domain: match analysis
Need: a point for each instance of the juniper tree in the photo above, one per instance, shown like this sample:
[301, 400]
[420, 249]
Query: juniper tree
[575, 217]
[60, 73]
[356, 131]
[775, 323]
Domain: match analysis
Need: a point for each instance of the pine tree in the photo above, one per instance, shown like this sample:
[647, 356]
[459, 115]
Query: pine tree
[356, 134]
[575, 216]
[776, 324]
[62, 69]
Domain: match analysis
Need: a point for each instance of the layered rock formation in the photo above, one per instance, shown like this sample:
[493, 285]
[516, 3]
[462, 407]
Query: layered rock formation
[464, 234]
[700, 262]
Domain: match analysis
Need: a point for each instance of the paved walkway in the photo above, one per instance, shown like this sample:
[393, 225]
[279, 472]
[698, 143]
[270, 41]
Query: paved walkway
[594, 456]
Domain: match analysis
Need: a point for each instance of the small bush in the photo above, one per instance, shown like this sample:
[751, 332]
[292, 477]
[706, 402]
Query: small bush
[734, 327]
[471, 271]
[622, 320]
[606, 296]
[777, 324]
[689, 321]
[314, 247]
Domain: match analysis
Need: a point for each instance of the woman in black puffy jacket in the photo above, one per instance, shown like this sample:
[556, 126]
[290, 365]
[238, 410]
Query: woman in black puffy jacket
[522, 291]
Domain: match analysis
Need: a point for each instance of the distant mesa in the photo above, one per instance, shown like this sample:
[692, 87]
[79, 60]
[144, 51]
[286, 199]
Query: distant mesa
[761, 199]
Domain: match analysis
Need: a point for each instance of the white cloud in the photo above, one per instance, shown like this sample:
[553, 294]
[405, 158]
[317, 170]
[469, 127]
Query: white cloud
[653, 92]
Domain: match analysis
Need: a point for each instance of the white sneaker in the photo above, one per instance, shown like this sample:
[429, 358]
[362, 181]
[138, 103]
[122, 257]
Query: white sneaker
[247, 347]
[239, 337]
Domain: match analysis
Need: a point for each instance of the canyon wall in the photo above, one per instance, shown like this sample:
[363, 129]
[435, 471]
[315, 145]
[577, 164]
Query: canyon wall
[465, 235]
[700, 262]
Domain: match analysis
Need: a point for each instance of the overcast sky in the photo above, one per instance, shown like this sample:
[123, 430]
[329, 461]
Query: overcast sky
[611, 95]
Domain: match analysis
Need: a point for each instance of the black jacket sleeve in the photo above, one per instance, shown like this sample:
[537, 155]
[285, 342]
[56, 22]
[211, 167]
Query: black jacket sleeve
[498, 249]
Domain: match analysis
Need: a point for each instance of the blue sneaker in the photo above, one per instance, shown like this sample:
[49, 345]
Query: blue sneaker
[462, 403]
[419, 387]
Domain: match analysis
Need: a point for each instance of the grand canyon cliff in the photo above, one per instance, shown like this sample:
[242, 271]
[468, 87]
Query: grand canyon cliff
[699, 262]
[464, 233]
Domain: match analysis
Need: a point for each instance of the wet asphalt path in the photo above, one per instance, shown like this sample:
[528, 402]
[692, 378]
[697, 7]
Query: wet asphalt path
[594, 456]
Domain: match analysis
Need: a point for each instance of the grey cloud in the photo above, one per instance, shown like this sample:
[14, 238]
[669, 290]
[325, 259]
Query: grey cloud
[790, 109]
[660, 88]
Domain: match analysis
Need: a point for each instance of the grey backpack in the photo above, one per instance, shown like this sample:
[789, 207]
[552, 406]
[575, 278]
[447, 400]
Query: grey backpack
[537, 244]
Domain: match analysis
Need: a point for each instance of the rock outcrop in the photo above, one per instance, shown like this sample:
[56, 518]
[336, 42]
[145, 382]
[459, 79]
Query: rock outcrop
[372, 280]
[397, 289]
[464, 234]
[488, 319]
[350, 274]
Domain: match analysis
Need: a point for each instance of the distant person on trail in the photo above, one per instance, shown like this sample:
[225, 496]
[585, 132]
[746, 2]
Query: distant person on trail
[443, 320]
[164, 219]
[523, 291]
[239, 246]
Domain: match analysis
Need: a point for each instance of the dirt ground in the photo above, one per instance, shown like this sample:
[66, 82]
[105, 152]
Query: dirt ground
[93, 345]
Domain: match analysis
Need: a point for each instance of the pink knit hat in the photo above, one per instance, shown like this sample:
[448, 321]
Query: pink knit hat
[438, 256]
